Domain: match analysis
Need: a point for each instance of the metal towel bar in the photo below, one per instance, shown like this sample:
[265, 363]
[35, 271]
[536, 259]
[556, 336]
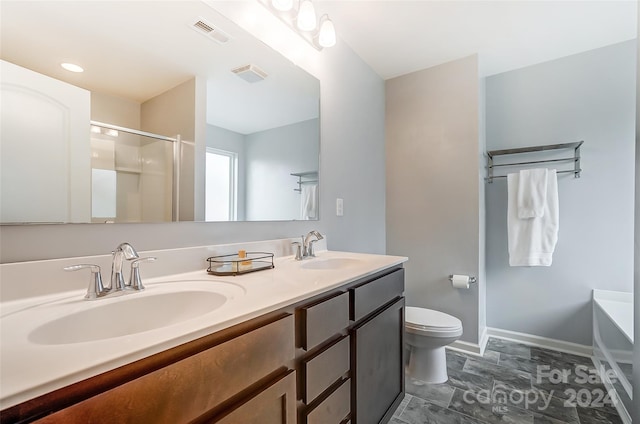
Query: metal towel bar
[575, 159]
[304, 178]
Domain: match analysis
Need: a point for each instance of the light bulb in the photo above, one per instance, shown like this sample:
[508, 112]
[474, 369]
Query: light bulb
[282, 5]
[306, 16]
[327, 36]
[72, 67]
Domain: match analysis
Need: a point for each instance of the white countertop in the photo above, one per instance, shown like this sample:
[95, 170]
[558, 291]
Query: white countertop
[29, 369]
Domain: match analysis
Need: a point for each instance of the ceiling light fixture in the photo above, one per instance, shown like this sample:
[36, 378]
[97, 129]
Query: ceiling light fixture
[301, 16]
[306, 19]
[72, 67]
[282, 5]
[327, 34]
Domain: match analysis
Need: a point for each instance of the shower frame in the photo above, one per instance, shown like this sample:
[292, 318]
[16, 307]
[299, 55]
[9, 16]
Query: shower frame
[176, 160]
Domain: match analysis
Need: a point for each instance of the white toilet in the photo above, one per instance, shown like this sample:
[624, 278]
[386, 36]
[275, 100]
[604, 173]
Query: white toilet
[427, 333]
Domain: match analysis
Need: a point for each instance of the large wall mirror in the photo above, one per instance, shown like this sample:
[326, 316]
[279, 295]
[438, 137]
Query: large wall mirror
[179, 115]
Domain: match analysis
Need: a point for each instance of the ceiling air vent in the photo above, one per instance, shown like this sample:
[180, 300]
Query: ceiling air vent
[250, 73]
[207, 29]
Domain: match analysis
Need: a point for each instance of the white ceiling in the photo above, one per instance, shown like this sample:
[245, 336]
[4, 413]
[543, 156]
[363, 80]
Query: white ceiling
[396, 37]
[139, 49]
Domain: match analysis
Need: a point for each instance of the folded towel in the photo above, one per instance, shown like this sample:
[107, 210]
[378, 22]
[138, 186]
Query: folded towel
[308, 201]
[532, 193]
[532, 240]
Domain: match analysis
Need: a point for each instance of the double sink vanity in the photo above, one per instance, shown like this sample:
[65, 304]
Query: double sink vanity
[316, 341]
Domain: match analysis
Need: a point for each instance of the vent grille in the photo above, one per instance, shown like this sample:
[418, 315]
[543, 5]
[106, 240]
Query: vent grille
[201, 26]
[250, 73]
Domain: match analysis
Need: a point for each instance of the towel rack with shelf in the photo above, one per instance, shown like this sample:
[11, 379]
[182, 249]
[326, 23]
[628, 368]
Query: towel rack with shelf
[550, 147]
[305, 178]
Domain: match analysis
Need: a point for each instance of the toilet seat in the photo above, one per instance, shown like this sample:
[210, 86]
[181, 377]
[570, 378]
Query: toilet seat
[431, 323]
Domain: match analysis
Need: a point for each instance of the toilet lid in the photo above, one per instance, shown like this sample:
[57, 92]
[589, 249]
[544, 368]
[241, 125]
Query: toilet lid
[426, 319]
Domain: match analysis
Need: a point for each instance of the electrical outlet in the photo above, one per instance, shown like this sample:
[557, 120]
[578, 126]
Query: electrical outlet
[339, 207]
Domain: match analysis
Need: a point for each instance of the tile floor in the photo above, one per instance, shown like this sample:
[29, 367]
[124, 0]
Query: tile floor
[512, 383]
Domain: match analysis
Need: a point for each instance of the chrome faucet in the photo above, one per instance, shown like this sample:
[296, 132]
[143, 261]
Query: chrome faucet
[307, 245]
[123, 251]
[97, 289]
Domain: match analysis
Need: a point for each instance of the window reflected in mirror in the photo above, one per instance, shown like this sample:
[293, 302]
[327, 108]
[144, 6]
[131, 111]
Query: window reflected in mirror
[221, 185]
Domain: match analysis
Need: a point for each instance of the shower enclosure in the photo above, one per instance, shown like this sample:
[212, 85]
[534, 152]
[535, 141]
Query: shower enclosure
[613, 346]
[135, 175]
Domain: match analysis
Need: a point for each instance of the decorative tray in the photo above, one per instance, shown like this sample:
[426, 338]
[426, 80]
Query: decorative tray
[235, 264]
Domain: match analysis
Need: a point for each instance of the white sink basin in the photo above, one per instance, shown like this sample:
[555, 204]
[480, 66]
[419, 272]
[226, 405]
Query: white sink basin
[330, 263]
[134, 313]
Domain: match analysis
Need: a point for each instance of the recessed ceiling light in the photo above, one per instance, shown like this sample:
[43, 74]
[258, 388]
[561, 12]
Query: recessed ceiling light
[72, 67]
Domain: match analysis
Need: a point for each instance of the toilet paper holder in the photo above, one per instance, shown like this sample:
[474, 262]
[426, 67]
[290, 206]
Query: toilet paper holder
[472, 280]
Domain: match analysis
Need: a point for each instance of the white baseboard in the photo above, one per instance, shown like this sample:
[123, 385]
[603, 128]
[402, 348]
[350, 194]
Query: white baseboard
[484, 338]
[471, 348]
[465, 347]
[544, 342]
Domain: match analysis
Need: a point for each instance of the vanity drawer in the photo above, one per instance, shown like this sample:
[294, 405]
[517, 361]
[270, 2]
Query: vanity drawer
[371, 296]
[188, 388]
[323, 319]
[274, 405]
[325, 368]
[334, 409]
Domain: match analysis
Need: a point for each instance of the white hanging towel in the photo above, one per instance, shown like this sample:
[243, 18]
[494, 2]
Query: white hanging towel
[532, 193]
[532, 240]
[308, 201]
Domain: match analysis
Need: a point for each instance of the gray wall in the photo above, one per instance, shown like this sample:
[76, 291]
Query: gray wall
[635, 414]
[271, 156]
[351, 167]
[591, 97]
[433, 205]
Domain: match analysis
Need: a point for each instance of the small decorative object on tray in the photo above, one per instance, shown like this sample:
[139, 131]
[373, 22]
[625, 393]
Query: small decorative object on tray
[240, 263]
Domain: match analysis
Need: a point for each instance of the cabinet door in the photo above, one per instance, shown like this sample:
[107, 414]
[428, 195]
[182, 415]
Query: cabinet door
[378, 380]
[191, 387]
[274, 405]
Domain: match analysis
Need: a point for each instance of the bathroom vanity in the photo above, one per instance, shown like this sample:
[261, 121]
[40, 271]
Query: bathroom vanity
[318, 341]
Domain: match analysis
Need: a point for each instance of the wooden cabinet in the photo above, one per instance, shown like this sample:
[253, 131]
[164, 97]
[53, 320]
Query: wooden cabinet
[377, 346]
[366, 356]
[323, 319]
[378, 365]
[325, 368]
[274, 405]
[325, 388]
[370, 296]
[336, 358]
[334, 409]
[199, 384]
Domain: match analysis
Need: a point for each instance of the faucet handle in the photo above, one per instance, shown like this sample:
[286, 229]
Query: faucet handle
[96, 288]
[298, 250]
[135, 282]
